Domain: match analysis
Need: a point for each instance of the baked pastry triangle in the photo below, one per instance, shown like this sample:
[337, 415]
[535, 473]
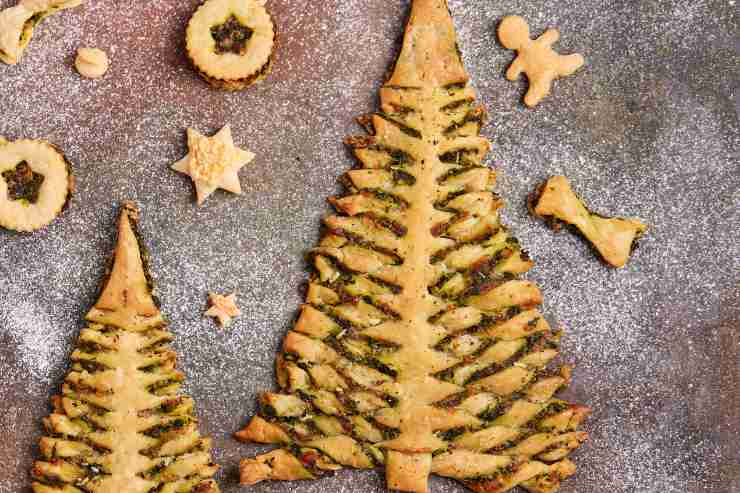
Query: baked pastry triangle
[120, 425]
[419, 348]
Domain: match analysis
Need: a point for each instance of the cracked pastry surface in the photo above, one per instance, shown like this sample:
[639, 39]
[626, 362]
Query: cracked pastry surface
[36, 184]
[231, 43]
[213, 163]
[420, 348]
[120, 425]
[613, 238]
[17, 24]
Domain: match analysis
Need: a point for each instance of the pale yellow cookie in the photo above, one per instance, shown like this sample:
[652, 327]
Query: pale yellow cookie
[36, 183]
[222, 308]
[213, 163]
[92, 63]
[613, 238]
[17, 24]
[535, 58]
[231, 43]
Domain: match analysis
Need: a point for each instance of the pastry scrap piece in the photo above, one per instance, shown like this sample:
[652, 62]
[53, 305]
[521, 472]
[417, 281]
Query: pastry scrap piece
[419, 347]
[231, 43]
[536, 59]
[17, 24]
[223, 308]
[213, 163]
[120, 425]
[36, 184]
[613, 238]
[92, 63]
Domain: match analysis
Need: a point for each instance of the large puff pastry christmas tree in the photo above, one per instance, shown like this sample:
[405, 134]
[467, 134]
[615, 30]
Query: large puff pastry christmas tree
[419, 348]
[119, 425]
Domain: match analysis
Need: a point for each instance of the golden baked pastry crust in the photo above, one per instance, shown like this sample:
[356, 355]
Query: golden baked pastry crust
[419, 348]
[231, 43]
[614, 238]
[120, 425]
[36, 184]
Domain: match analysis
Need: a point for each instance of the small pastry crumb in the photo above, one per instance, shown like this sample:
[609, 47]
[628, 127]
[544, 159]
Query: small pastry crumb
[213, 163]
[613, 238]
[222, 308]
[535, 58]
[92, 63]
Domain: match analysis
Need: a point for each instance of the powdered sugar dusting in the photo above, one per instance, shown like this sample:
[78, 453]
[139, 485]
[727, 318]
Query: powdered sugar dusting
[35, 338]
[646, 128]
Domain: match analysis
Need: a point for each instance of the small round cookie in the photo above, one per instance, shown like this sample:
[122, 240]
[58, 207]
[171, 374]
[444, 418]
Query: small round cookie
[92, 63]
[231, 43]
[36, 184]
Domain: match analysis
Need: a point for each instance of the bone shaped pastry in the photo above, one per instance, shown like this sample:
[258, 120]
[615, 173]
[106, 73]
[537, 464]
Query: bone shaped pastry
[613, 238]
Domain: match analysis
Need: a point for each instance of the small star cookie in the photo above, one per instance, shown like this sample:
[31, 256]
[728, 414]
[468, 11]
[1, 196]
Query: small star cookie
[213, 162]
[222, 308]
[536, 58]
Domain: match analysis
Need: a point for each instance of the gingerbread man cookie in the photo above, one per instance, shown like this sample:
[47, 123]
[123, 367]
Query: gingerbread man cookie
[535, 58]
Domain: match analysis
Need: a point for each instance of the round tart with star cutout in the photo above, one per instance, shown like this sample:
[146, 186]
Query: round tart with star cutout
[231, 43]
[36, 184]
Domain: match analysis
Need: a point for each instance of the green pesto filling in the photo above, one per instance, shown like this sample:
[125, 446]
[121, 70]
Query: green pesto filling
[231, 36]
[23, 184]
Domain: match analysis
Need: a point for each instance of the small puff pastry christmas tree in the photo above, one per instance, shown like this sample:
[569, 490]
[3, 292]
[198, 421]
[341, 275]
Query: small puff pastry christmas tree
[419, 348]
[120, 425]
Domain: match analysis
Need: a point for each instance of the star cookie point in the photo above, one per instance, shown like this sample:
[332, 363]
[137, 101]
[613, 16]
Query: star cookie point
[213, 162]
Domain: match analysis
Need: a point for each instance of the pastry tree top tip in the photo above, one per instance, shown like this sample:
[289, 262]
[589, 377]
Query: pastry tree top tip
[430, 55]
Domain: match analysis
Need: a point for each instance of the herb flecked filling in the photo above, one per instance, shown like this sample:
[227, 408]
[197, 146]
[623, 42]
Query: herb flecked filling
[231, 36]
[23, 183]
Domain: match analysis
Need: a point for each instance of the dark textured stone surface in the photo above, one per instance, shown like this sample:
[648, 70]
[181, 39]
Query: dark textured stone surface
[648, 128]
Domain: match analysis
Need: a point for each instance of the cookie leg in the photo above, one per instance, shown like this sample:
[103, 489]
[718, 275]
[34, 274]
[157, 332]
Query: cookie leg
[538, 89]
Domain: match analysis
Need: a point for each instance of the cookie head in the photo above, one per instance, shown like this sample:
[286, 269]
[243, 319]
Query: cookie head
[513, 32]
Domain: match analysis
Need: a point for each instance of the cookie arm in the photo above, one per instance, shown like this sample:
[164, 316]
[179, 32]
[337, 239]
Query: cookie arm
[569, 64]
[515, 69]
[549, 37]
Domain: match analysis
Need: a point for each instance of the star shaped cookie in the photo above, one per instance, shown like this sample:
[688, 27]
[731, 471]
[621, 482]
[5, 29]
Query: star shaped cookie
[213, 163]
[222, 308]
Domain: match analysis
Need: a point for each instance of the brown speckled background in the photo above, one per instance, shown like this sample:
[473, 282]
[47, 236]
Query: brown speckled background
[648, 128]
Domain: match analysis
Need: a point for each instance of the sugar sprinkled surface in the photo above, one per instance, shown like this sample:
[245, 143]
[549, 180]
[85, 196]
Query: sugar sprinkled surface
[648, 128]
